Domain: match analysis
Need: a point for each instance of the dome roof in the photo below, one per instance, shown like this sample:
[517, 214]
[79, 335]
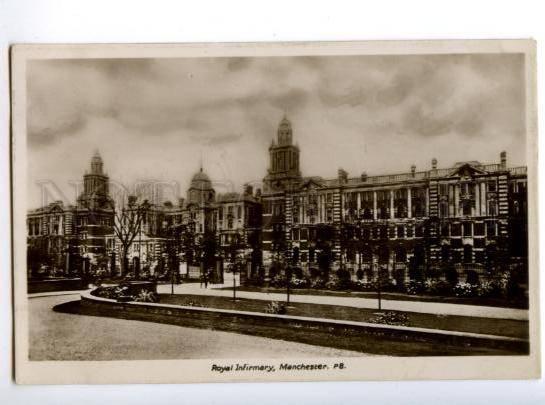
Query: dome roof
[96, 163]
[285, 123]
[201, 181]
[284, 132]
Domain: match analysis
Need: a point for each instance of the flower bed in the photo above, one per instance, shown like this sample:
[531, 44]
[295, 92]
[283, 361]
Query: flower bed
[130, 291]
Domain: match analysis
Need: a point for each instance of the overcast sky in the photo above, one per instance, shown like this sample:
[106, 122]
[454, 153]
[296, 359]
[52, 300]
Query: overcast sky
[153, 119]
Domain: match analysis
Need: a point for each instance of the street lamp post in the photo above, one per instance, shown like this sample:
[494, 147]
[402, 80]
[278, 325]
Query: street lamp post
[379, 280]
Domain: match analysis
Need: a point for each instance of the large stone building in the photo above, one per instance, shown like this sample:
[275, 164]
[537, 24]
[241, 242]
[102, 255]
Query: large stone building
[470, 217]
[205, 216]
[69, 238]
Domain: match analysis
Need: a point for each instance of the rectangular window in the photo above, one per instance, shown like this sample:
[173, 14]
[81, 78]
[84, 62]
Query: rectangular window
[456, 243]
[400, 231]
[490, 229]
[444, 230]
[478, 229]
[467, 229]
[239, 212]
[443, 209]
[410, 232]
[492, 210]
[392, 232]
[304, 234]
[455, 230]
[478, 242]
[295, 233]
[492, 186]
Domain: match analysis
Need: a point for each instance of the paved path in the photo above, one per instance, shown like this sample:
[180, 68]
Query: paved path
[357, 302]
[63, 336]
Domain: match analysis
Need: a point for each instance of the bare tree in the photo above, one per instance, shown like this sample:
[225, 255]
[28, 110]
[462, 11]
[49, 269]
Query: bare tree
[127, 225]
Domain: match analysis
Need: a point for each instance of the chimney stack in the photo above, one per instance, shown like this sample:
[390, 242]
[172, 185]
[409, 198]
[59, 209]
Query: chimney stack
[343, 176]
[413, 170]
[248, 189]
[503, 160]
[434, 164]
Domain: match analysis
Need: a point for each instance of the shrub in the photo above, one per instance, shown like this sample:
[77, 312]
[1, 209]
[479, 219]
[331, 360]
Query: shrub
[472, 277]
[275, 307]
[278, 281]
[391, 318]
[389, 285]
[300, 283]
[343, 280]
[361, 285]
[113, 293]
[147, 296]
[297, 272]
[465, 290]
[191, 303]
[437, 287]
[315, 273]
[317, 284]
[415, 287]
[343, 274]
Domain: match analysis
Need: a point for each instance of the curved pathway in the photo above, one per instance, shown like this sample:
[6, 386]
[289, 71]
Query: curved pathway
[63, 336]
[356, 302]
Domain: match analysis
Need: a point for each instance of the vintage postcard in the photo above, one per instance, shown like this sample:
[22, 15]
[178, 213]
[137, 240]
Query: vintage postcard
[275, 212]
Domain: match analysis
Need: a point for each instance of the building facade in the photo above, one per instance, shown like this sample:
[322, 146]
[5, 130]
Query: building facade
[471, 217]
[468, 219]
[70, 238]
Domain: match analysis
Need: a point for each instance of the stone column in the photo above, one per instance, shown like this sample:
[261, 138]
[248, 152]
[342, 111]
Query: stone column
[483, 198]
[358, 202]
[409, 203]
[427, 202]
[391, 204]
[477, 210]
[374, 205]
[456, 200]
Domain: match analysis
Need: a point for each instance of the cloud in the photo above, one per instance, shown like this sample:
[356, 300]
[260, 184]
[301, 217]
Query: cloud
[362, 109]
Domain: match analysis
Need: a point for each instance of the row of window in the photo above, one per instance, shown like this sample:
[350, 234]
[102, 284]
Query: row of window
[466, 208]
[466, 229]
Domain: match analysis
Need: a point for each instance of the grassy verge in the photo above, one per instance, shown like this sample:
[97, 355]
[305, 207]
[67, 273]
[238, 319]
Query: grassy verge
[502, 327]
[493, 302]
[346, 339]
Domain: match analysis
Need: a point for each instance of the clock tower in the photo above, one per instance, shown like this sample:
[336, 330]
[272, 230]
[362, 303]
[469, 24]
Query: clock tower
[283, 173]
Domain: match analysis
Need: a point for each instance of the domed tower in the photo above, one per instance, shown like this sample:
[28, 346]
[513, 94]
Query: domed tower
[200, 190]
[96, 185]
[284, 132]
[96, 164]
[283, 169]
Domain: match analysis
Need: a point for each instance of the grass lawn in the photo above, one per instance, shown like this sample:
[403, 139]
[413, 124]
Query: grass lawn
[493, 302]
[503, 327]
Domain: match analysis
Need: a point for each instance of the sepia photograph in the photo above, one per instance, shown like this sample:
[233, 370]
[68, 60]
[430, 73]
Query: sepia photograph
[275, 212]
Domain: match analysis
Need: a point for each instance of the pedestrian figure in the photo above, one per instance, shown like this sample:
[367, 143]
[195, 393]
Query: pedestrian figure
[202, 279]
[205, 279]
